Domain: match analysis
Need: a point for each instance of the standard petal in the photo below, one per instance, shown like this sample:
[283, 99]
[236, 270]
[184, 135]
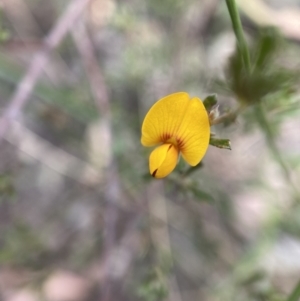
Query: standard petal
[163, 160]
[194, 132]
[164, 118]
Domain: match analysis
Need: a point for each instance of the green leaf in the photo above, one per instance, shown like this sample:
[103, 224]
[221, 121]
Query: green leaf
[220, 143]
[210, 101]
[267, 45]
[267, 77]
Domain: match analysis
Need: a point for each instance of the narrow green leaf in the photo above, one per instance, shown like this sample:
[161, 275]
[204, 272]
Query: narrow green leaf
[220, 143]
[267, 45]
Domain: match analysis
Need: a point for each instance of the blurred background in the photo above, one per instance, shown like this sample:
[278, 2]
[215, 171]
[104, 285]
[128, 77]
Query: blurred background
[80, 217]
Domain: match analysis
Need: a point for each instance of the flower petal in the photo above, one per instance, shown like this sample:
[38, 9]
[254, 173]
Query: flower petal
[164, 118]
[163, 160]
[194, 132]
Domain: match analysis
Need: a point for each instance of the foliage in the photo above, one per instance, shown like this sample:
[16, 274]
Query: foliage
[228, 221]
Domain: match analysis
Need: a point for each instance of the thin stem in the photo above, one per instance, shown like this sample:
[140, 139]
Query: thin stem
[261, 117]
[239, 33]
[95, 75]
[113, 189]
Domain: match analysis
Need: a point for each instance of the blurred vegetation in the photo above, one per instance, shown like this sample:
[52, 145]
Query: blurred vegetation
[230, 226]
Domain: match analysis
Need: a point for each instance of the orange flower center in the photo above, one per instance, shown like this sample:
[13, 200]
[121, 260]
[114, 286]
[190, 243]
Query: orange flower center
[177, 142]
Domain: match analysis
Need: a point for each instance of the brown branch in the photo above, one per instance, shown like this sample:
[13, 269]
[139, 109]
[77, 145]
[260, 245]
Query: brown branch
[21, 18]
[113, 186]
[94, 74]
[51, 156]
[39, 62]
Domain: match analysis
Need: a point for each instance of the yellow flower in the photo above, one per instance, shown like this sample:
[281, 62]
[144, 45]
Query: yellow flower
[178, 124]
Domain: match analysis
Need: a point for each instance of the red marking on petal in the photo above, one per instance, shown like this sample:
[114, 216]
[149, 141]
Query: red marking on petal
[154, 173]
[180, 143]
[165, 137]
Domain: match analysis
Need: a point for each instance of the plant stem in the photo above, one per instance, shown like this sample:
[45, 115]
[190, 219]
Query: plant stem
[239, 33]
[260, 115]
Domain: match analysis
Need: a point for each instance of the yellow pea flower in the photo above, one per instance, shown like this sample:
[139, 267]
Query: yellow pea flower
[179, 125]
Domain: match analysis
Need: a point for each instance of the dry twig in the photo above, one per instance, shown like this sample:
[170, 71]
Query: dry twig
[55, 158]
[113, 185]
[39, 62]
